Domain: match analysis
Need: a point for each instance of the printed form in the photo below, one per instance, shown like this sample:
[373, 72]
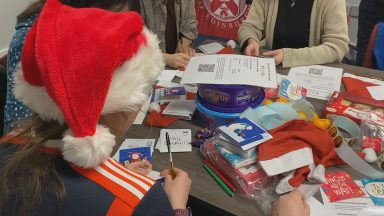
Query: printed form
[231, 69]
[321, 81]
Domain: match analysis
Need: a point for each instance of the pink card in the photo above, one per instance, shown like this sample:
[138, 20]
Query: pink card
[340, 186]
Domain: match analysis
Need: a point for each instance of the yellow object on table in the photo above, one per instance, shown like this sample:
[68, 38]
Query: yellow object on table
[282, 100]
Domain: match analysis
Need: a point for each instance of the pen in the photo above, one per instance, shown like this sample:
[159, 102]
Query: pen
[171, 171]
[226, 181]
[218, 180]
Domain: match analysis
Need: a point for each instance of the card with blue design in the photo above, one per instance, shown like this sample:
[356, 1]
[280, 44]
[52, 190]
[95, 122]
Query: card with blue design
[135, 155]
[245, 133]
[375, 189]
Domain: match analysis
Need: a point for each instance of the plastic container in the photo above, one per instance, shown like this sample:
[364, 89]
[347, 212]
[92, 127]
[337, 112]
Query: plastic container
[237, 97]
[213, 119]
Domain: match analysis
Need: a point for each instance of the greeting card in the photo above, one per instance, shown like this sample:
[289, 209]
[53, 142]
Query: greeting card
[375, 189]
[135, 155]
[340, 186]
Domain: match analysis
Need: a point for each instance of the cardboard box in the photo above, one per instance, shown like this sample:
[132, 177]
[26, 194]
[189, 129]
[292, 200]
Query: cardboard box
[354, 107]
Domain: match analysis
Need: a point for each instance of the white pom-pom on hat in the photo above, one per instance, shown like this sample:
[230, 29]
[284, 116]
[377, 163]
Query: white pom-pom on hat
[88, 151]
[232, 44]
[370, 155]
[154, 107]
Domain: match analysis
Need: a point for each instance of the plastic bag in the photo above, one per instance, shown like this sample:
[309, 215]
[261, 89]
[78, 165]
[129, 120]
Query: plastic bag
[250, 179]
[372, 135]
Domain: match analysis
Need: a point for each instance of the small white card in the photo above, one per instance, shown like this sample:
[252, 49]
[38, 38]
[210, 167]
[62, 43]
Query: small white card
[167, 75]
[180, 140]
[321, 81]
[211, 48]
[134, 143]
[155, 175]
[181, 109]
[377, 92]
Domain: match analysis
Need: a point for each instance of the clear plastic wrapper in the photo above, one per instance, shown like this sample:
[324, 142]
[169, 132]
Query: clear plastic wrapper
[249, 179]
[372, 134]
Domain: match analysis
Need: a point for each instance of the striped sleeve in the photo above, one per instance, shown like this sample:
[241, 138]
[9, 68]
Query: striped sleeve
[128, 187]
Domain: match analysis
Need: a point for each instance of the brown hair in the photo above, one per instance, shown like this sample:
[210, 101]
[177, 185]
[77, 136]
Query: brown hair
[112, 5]
[28, 172]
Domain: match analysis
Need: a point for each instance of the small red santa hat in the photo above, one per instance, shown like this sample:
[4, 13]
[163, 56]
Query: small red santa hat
[301, 149]
[78, 64]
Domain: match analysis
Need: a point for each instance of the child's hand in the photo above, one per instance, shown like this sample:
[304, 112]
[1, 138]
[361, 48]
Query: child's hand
[143, 167]
[291, 204]
[177, 189]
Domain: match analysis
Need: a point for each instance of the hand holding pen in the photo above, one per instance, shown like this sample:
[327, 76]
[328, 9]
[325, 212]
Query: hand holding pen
[177, 183]
[177, 189]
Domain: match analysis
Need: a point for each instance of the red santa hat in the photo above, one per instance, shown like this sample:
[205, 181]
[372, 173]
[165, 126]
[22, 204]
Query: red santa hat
[301, 148]
[357, 85]
[78, 64]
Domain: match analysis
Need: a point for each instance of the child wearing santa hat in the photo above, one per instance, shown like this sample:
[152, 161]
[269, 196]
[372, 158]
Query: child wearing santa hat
[83, 72]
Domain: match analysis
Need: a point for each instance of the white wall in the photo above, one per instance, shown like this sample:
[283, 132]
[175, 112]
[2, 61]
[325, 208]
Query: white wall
[9, 9]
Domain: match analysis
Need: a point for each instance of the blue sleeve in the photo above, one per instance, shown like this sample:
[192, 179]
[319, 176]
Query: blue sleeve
[14, 110]
[155, 202]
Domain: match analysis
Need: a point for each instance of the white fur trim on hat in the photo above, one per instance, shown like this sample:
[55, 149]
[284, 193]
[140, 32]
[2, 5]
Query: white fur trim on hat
[284, 186]
[288, 161]
[132, 82]
[317, 174]
[89, 151]
[36, 98]
[130, 86]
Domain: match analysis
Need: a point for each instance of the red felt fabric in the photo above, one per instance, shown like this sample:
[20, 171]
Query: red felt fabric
[295, 135]
[226, 50]
[357, 87]
[155, 119]
[75, 62]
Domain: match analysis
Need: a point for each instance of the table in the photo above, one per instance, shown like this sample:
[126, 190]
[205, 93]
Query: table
[204, 189]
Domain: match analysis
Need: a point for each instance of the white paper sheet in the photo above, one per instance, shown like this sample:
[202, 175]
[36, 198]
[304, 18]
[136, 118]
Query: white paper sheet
[211, 48]
[167, 75]
[280, 78]
[318, 209]
[180, 140]
[231, 69]
[321, 81]
[168, 84]
[143, 112]
[182, 109]
[134, 143]
[377, 92]
[361, 206]
[154, 175]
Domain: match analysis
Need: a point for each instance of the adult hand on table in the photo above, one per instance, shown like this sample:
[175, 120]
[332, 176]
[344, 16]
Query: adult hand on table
[278, 55]
[291, 204]
[143, 167]
[177, 189]
[177, 60]
[184, 46]
[252, 48]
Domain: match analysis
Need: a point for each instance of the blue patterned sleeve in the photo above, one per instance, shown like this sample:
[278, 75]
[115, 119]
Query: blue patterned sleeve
[14, 110]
